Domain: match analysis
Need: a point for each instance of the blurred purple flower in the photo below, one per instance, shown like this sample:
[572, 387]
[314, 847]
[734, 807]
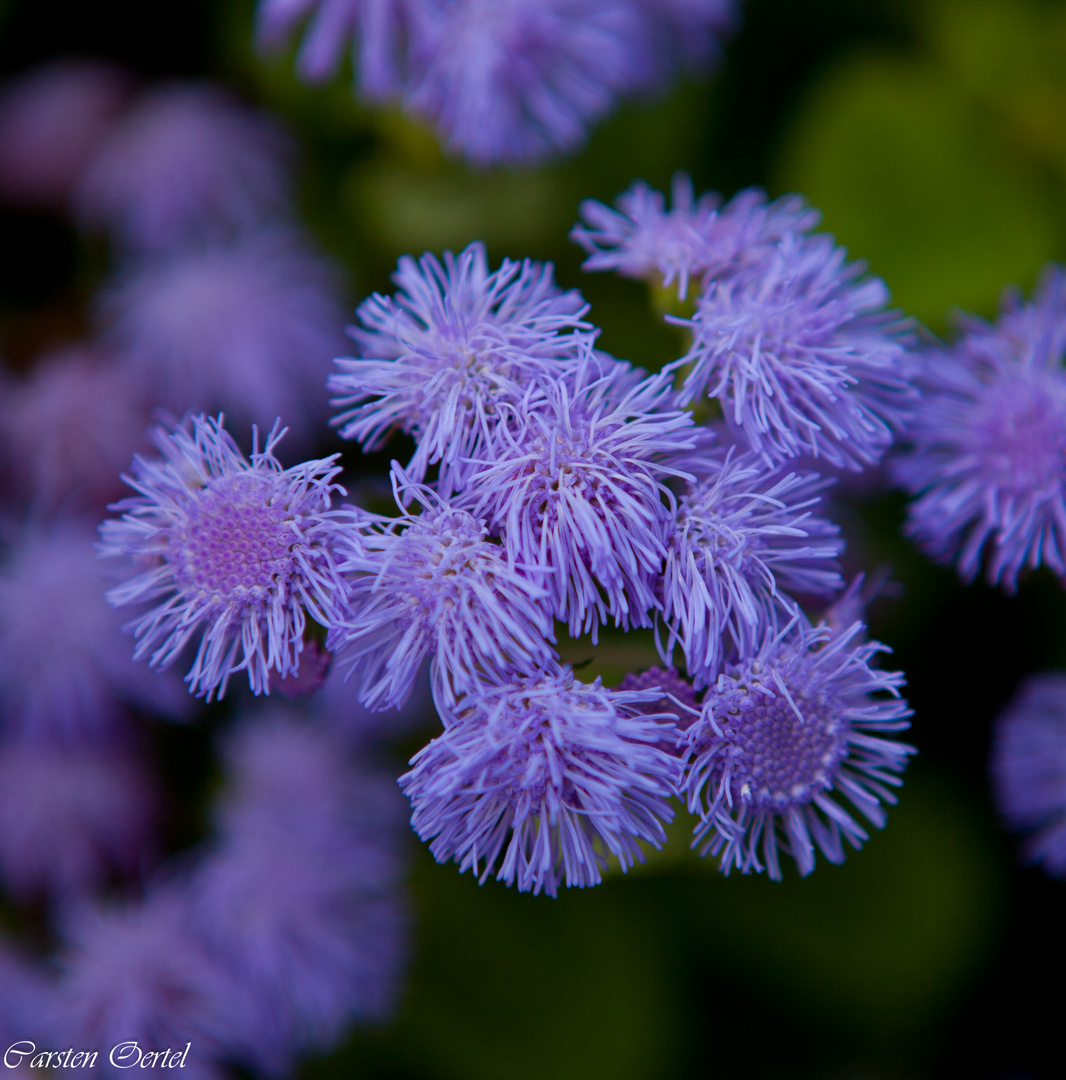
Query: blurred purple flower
[450, 356]
[380, 35]
[802, 355]
[51, 120]
[986, 452]
[66, 675]
[1029, 768]
[697, 239]
[300, 901]
[518, 81]
[70, 816]
[542, 779]
[69, 430]
[782, 731]
[577, 490]
[236, 552]
[137, 975]
[687, 32]
[742, 535]
[434, 585]
[186, 165]
[250, 329]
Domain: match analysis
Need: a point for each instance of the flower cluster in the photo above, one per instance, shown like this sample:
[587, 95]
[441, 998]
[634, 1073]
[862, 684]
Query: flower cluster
[290, 922]
[552, 484]
[501, 80]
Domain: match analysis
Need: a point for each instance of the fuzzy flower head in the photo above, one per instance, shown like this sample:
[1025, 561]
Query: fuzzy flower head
[696, 239]
[51, 119]
[378, 34]
[541, 779]
[69, 817]
[454, 349]
[687, 33]
[299, 899]
[802, 355]
[780, 734]
[433, 585]
[137, 975]
[578, 491]
[248, 329]
[52, 604]
[517, 81]
[68, 431]
[986, 454]
[232, 551]
[185, 166]
[742, 536]
[1029, 768]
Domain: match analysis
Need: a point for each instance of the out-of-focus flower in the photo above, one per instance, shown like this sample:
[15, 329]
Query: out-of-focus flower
[578, 491]
[452, 354]
[234, 552]
[687, 33]
[780, 734]
[1029, 768]
[300, 900]
[380, 35]
[434, 585]
[68, 431]
[66, 675]
[70, 816]
[542, 779]
[249, 329]
[522, 80]
[986, 453]
[136, 979]
[802, 355]
[187, 165]
[743, 536]
[697, 239]
[51, 120]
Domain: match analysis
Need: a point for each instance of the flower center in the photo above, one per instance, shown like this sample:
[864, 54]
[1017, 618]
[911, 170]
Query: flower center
[777, 758]
[234, 545]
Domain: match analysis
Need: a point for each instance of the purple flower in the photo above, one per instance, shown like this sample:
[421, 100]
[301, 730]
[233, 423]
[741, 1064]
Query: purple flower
[379, 33]
[521, 80]
[1029, 768]
[234, 552]
[187, 165]
[51, 120]
[578, 491]
[455, 349]
[69, 430]
[802, 355]
[742, 535]
[698, 238]
[541, 779]
[780, 733]
[137, 975]
[249, 328]
[68, 817]
[434, 585]
[688, 32]
[299, 902]
[65, 670]
[986, 453]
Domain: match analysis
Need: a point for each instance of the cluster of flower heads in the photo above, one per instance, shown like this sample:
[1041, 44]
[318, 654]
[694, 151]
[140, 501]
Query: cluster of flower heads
[290, 922]
[553, 486]
[501, 80]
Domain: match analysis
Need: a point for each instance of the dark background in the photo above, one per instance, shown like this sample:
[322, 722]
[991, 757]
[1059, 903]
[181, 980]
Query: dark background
[933, 137]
